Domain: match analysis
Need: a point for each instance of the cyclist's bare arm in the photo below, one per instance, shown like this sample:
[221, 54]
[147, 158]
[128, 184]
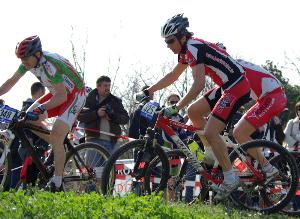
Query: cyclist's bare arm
[6, 86]
[198, 72]
[168, 78]
[58, 98]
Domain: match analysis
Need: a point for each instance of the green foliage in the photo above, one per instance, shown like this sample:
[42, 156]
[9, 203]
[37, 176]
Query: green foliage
[292, 92]
[36, 204]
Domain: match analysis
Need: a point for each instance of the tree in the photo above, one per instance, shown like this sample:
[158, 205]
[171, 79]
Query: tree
[293, 64]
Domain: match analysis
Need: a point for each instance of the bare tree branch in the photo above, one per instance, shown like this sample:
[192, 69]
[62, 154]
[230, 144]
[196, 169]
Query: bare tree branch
[79, 60]
[292, 65]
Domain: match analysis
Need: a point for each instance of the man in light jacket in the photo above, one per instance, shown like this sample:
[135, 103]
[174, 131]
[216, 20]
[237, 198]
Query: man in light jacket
[292, 130]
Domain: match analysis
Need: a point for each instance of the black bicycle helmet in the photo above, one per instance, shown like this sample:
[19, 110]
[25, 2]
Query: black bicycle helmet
[175, 25]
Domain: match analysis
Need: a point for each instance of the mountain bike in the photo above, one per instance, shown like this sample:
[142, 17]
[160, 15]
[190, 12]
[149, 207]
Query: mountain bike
[253, 180]
[84, 162]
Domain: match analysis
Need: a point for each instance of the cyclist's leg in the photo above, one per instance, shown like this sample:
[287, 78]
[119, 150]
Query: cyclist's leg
[212, 132]
[231, 100]
[242, 132]
[58, 134]
[259, 114]
[202, 107]
[67, 114]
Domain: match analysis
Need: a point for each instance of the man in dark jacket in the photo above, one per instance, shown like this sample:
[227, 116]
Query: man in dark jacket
[103, 112]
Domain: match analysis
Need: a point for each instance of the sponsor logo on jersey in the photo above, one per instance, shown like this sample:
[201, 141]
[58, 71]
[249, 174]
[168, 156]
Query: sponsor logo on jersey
[50, 70]
[263, 109]
[74, 109]
[221, 61]
[225, 102]
[68, 83]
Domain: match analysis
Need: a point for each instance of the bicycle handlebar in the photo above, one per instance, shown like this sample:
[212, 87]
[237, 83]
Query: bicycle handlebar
[9, 115]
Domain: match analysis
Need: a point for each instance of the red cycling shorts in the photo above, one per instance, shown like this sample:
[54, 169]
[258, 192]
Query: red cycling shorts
[225, 103]
[266, 108]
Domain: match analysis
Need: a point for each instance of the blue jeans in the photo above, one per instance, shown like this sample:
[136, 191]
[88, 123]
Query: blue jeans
[189, 192]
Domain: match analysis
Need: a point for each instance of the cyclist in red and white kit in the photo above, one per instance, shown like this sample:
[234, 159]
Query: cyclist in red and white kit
[201, 55]
[65, 100]
[269, 95]
[270, 101]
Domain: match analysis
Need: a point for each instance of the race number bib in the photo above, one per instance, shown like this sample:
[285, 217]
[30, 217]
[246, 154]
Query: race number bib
[7, 113]
[149, 109]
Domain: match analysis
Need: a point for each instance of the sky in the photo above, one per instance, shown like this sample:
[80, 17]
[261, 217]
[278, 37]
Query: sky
[129, 31]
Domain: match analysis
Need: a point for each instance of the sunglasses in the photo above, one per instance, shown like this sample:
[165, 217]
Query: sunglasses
[170, 41]
[173, 102]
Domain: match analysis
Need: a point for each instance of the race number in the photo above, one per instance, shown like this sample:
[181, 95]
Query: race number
[7, 114]
[149, 110]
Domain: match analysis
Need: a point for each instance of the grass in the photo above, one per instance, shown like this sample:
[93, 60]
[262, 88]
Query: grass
[36, 204]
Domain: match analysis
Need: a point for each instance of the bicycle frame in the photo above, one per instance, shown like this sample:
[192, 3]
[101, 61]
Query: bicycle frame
[167, 124]
[17, 129]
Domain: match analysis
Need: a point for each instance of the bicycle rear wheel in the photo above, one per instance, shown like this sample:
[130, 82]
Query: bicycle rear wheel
[293, 208]
[125, 170]
[5, 167]
[83, 168]
[265, 196]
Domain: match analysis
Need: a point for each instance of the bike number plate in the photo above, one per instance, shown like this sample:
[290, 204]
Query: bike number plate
[7, 114]
[149, 110]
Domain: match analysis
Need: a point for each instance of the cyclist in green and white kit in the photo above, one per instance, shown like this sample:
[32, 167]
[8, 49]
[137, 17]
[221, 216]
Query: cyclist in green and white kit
[65, 100]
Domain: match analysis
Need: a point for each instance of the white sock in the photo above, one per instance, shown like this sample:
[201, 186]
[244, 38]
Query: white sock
[57, 180]
[229, 176]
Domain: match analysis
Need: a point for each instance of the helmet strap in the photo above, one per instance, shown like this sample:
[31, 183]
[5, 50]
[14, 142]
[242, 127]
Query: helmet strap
[38, 60]
[183, 45]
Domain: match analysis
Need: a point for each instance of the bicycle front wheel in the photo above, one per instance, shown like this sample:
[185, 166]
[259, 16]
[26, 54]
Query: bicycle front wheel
[83, 168]
[268, 194]
[125, 170]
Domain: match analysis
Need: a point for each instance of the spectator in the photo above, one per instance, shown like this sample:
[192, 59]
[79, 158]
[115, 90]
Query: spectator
[103, 112]
[138, 124]
[292, 130]
[292, 139]
[2, 102]
[37, 90]
[29, 172]
[171, 100]
[274, 130]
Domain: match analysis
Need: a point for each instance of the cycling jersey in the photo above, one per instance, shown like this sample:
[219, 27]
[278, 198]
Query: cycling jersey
[223, 69]
[53, 69]
[260, 80]
[67, 111]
